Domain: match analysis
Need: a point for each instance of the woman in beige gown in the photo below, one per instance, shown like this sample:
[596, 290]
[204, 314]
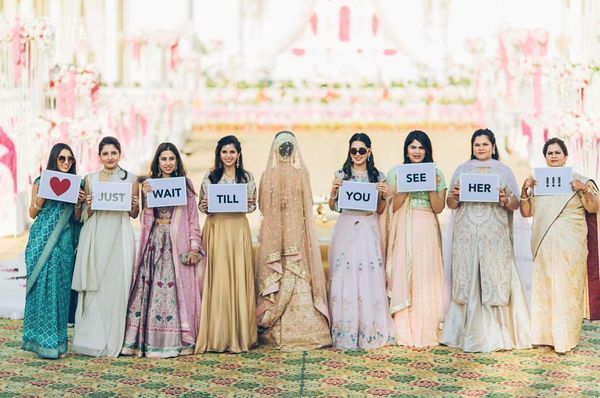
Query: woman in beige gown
[104, 264]
[488, 311]
[292, 311]
[560, 251]
[228, 319]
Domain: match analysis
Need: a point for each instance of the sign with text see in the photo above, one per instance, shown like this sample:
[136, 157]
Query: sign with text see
[228, 198]
[358, 196]
[479, 188]
[167, 192]
[553, 180]
[415, 177]
[63, 187]
[113, 196]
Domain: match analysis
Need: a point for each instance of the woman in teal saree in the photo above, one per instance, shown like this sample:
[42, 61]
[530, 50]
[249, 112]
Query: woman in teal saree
[49, 257]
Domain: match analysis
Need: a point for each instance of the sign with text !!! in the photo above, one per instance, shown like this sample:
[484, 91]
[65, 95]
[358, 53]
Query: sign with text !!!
[479, 188]
[358, 196]
[63, 187]
[167, 192]
[228, 198]
[553, 180]
[415, 177]
[113, 196]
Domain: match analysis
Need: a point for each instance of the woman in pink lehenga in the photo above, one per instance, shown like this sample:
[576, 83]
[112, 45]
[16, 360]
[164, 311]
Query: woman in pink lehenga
[164, 304]
[358, 303]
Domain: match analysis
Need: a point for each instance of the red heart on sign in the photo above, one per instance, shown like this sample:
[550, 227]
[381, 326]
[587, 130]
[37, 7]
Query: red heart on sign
[59, 186]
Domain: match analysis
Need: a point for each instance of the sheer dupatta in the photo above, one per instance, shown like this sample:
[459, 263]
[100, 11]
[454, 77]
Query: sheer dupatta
[288, 242]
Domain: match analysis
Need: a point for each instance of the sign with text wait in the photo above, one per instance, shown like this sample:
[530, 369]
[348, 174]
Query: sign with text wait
[167, 192]
[479, 188]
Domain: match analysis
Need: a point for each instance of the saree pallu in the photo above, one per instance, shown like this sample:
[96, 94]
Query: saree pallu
[49, 257]
[228, 321]
[560, 249]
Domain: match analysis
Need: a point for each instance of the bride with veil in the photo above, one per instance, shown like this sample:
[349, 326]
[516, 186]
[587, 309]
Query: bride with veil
[292, 312]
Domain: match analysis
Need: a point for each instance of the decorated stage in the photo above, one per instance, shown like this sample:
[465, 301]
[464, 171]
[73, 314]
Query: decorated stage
[390, 371]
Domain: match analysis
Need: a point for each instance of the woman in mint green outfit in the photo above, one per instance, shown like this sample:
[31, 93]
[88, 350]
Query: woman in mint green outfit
[49, 256]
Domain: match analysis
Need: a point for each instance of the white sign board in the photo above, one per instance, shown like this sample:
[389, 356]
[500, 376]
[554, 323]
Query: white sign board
[114, 196]
[415, 177]
[553, 180]
[228, 198]
[63, 187]
[167, 192]
[358, 196]
[479, 188]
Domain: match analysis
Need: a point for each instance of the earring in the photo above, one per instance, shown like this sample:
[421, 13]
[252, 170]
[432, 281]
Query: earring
[160, 173]
[237, 163]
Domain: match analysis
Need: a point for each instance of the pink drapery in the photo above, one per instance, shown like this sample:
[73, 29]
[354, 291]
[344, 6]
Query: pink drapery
[344, 30]
[314, 24]
[9, 158]
[374, 25]
[18, 49]
[66, 95]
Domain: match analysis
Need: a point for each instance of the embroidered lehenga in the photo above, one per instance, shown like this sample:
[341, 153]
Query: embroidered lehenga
[488, 311]
[292, 311]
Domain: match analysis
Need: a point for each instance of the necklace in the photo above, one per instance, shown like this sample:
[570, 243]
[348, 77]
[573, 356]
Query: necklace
[107, 173]
[359, 173]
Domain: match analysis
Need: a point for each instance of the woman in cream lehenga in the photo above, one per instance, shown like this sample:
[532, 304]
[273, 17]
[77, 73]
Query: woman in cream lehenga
[228, 321]
[488, 311]
[292, 311]
[414, 267]
[559, 246]
[104, 264]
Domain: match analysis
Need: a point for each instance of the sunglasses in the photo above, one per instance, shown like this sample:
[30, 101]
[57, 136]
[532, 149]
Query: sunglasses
[360, 151]
[64, 159]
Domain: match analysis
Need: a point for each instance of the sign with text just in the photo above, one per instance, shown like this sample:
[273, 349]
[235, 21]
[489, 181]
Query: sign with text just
[115, 196]
[228, 198]
[415, 177]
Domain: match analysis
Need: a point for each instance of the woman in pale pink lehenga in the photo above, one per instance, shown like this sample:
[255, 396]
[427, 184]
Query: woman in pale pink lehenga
[360, 314]
[164, 304]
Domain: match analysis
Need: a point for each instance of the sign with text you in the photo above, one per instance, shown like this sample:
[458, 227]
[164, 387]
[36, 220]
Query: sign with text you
[63, 187]
[112, 196]
[553, 180]
[228, 198]
[415, 177]
[479, 188]
[358, 196]
[167, 192]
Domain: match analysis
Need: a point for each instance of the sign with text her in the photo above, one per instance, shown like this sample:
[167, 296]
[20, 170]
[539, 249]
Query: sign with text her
[113, 196]
[63, 187]
[553, 180]
[415, 177]
[167, 192]
[479, 188]
[228, 198]
[358, 196]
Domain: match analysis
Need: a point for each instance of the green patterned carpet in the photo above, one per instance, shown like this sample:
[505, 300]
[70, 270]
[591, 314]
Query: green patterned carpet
[391, 371]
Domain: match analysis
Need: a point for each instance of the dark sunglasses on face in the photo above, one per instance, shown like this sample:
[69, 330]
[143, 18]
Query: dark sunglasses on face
[360, 151]
[64, 159]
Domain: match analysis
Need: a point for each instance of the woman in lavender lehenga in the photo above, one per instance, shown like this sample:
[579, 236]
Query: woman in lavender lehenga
[358, 303]
[164, 304]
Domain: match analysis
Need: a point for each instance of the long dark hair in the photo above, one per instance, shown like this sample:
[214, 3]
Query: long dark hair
[108, 140]
[557, 141]
[424, 140]
[372, 171]
[179, 169]
[53, 158]
[241, 175]
[490, 135]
